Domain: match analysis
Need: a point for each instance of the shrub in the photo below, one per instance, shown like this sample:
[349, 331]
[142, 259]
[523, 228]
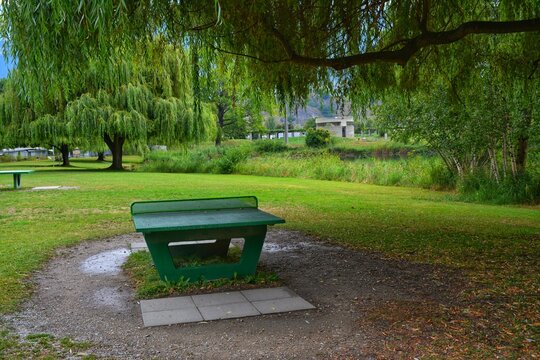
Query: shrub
[269, 146]
[233, 156]
[441, 178]
[317, 138]
[481, 187]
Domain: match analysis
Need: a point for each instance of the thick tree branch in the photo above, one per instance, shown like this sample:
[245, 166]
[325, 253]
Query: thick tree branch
[246, 55]
[411, 46]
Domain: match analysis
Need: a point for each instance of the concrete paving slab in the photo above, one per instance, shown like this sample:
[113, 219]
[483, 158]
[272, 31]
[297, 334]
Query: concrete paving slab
[138, 246]
[268, 294]
[168, 317]
[228, 311]
[219, 299]
[282, 305]
[183, 302]
[185, 309]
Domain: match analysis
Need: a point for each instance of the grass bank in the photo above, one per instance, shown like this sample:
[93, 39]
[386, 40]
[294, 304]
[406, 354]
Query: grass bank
[272, 158]
[379, 163]
[497, 247]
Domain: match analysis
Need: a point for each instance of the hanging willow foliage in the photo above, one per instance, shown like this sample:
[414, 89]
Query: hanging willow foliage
[141, 99]
[136, 96]
[293, 47]
[15, 118]
[51, 128]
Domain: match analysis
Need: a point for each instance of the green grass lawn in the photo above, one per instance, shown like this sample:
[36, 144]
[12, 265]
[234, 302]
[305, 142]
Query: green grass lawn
[498, 247]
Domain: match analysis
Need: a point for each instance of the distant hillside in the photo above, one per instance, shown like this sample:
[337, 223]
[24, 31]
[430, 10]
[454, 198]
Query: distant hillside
[319, 107]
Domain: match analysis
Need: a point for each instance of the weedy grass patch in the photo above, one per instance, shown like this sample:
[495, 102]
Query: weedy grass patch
[42, 346]
[148, 285]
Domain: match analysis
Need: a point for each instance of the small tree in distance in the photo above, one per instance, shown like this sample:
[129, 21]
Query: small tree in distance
[317, 138]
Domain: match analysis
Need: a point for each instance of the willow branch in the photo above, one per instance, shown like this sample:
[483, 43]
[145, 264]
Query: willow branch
[411, 46]
[267, 61]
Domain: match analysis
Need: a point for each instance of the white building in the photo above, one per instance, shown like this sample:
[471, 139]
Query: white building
[25, 153]
[340, 126]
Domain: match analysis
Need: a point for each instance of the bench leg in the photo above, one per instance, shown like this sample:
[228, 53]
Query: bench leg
[158, 244]
[16, 181]
[251, 254]
[163, 260]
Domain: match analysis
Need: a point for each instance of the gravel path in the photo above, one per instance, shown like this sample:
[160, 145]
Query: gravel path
[83, 294]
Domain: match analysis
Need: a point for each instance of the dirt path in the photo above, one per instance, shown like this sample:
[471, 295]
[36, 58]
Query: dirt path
[81, 296]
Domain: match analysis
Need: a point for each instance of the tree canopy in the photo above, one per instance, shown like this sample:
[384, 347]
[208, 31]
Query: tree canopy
[295, 45]
[484, 121]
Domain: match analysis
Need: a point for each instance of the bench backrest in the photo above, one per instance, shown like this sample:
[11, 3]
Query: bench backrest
[146, 207]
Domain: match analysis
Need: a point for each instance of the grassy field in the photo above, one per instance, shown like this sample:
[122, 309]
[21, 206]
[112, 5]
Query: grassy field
[497, 247]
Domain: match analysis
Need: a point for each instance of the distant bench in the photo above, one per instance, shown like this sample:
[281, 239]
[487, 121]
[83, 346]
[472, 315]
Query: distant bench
[16, 176]
[202, 228]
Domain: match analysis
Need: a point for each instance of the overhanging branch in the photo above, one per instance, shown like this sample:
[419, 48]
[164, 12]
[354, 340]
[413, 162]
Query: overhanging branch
[410, 46]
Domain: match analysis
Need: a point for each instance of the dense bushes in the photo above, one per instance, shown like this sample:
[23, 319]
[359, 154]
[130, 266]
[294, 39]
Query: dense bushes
[482, 187]
[316, 138]
[201, 159]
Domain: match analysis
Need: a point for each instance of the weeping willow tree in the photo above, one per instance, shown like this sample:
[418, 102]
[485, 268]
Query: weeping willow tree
[237, 99]
[15, 117]
[53, 130]
[136, 97]
[21, 126]
[480, 116]
[140, 100]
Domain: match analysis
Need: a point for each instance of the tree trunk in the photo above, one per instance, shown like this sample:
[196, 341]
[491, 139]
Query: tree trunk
[286, 133]
[494, 166]
[64, 149]
[521, 156]
[115, 145]
[220, 123]
[505, 155]
[100, 156]
[523, 140]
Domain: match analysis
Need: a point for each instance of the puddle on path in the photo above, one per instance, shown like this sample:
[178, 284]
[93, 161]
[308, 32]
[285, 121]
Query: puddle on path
[109, 297]
[105, 263]
[273, 247]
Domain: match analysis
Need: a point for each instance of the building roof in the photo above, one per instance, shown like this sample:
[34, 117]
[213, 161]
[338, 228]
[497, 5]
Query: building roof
[323, 120]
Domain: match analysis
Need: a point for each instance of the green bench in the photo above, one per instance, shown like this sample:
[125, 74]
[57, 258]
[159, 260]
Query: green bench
[202, 228]
[16, 176]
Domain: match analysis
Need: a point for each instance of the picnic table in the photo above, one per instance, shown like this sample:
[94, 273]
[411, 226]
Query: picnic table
[16, 176]
[202, 228]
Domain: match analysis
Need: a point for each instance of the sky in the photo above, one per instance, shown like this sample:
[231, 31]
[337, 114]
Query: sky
[5, 65]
